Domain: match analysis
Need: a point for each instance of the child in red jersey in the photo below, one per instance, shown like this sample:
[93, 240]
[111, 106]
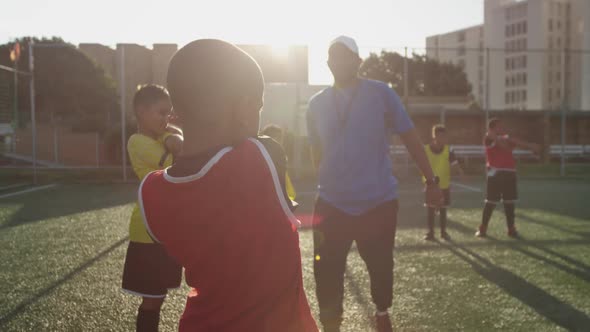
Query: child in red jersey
[221, 210]
[501, 175]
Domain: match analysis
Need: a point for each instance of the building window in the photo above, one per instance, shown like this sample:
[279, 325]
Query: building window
[506, 98]
[524, 95]
[525, 27]
[461, 51]
[550, 95]
[461, 37]
[524, 78]
[507, 64]
[481, 60]
[558, 25]
[524, 61]
[558, 42]
[507, 83]
[550, 24]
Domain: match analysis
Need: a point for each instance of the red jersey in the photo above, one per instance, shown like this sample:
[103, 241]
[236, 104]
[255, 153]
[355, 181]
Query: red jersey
[230, 226]
[497, 157]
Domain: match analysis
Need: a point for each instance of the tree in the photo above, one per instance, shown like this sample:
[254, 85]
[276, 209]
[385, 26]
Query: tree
[426, 77]
[68, 84]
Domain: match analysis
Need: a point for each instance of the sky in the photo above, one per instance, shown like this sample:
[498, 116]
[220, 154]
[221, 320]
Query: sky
[375, 24]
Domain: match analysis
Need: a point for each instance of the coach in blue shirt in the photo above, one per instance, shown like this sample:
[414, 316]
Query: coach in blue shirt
[350, 127]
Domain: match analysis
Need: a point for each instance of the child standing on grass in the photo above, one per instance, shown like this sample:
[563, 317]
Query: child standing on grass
[221, 210]
[441, 159]
[501, 175]
[149, 272]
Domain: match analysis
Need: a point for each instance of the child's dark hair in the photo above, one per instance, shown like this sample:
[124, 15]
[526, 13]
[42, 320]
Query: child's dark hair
[272, 130]
[438, 129]
[149, 94]
[493, 123]
[209, 73]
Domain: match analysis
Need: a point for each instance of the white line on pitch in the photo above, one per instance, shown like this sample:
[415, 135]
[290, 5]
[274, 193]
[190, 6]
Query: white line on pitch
[475, 189]
[13, 186]
[28, 190]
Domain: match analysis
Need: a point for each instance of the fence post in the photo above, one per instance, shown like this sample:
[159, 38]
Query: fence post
[33, 122]
[296, 131]
[97, 151]
[487, 91]
[546, 137]
[55, 145]
[123, 115]
[406, 74]
[563, 106]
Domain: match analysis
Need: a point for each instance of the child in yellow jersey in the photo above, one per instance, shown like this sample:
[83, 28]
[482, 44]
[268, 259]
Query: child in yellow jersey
[275, 132]
[441, 159]
[149, 272]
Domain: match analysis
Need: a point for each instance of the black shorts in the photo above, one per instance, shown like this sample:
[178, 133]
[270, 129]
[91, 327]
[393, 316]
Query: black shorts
[149, 271]
[501, 186]
[446, 199]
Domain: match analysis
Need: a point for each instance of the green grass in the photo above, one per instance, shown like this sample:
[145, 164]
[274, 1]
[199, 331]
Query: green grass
[62, 249]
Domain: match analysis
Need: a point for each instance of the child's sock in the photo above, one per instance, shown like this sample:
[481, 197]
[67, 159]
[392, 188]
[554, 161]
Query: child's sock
[509, 211]
[431, 213]
[443, 220]
[147, 320]
[487, 214]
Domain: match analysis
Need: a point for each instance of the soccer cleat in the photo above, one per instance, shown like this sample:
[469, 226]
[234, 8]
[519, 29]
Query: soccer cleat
[429, 236]
[481, 232]
[383, 323]
[513, 233]
[444, 235]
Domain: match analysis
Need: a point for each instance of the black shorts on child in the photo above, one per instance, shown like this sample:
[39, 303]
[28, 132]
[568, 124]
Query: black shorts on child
[149, 271]
[501, 186]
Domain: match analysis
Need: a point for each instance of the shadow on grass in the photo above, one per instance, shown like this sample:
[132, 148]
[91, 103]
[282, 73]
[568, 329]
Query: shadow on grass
[528, 219]
[581, 271]
[67, 200]
[536, 298]
[9, 316]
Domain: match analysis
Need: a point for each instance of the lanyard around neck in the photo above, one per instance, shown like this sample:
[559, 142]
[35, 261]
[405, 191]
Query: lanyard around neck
[344, 114]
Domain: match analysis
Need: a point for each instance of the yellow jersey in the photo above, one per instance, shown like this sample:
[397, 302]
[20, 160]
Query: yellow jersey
[146, 155]
[441, 162]
[290, 188]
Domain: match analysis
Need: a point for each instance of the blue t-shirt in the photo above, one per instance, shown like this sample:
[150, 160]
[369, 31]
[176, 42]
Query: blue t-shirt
[352, 128]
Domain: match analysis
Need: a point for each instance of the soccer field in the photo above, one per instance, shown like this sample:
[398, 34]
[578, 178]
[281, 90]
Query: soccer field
[62, 249]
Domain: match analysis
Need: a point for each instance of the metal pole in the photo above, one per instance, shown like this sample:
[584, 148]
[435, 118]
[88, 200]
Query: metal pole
[15, 96]
[487, 92]
[406, 83]
[123, 112]
[296, 137]
[563, 119]
[55, 145]
[97, 151]
[33, 122]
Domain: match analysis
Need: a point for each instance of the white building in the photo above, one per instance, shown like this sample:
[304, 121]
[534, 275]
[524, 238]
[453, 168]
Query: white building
[526, 41]
[463, 48]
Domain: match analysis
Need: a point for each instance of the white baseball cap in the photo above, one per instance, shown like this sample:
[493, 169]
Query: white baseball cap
[348, 42]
